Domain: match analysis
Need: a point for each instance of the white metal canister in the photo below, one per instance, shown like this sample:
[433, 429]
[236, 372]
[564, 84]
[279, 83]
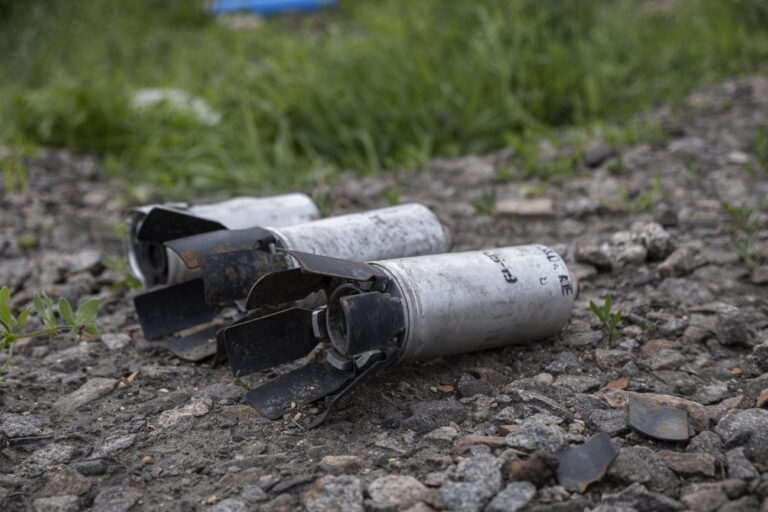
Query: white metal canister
[154, 264]
[394, 232]
[470, 301]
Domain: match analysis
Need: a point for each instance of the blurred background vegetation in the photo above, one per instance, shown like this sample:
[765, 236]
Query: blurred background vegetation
[369, 85]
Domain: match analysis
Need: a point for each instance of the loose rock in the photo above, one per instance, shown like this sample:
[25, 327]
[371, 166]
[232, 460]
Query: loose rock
[88, 392]
[513, 497]
[335, 493]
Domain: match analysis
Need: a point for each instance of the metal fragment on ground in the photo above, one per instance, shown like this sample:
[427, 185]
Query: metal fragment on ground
[585, 464]
[387, 311]
[657, 421]
[225, 263]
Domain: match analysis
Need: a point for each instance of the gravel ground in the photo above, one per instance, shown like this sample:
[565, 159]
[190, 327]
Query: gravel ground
[117, 423]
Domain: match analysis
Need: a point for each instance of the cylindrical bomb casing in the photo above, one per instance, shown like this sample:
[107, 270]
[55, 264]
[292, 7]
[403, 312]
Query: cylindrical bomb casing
[394, 232]
[237, 213]
[248, 212]
[463, 302]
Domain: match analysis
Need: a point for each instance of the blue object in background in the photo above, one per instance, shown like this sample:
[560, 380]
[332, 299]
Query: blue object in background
[266, 7]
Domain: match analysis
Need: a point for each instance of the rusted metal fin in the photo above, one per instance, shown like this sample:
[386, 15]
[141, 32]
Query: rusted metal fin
[362, 378]
[229, 276]
[197, 346]
[282, 287]
[173, 308]
[370, 321]
[269, 341]
[656, 420]
[332, 267]
[191, 248]
[306, 384]
[163, 224]
[583, 465]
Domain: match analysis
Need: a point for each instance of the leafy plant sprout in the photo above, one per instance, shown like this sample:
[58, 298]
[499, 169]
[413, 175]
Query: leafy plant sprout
[79, 322]
[609, 319]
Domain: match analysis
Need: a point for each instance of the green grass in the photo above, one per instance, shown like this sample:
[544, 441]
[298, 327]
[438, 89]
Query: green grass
[371, 85]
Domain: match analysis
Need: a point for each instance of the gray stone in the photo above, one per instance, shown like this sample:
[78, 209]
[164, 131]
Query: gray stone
[578, 383]
[681, 291]
[163, 402]
[708, 500]
[94, 467]
[760, 354]
[19, 425]
[611, 359]
[335, 493]
[612, 422]
[196, 408]
[712, 394]
[253, 494]
[596, 153]
[229, 505]
[113, 446]
[745, 503]
[442, 435]
[642, 499]
[643, 465]
[591, 253]
[508, 414]
[53, 453]
[733, 488]
[732, 327]
[427, 416]
[116, 341]
[513, 497]
[462, 496]
[739, 466]
[690, 463]
[64, 503]
[468, 386]
[88, 392]
[666, 359]
[586, 404]
[483, 471]
[654, 238]
[532, 435]
[706, 442]
[575, 339]
[680, 263]
[401, 491]
[116, 499]
[748, 428]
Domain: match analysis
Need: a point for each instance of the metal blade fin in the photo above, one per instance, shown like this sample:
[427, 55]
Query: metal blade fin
[371, 320]
[332, 267]
[269, 340]
[173, 308]
[306, 384]
[191, 248]
[229, 276]
[361, 379]
[197, 346]
[163, 224]
[282, 287]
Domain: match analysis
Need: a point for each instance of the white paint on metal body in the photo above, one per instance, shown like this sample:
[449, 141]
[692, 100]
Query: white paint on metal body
[463, 302]
[395, 232]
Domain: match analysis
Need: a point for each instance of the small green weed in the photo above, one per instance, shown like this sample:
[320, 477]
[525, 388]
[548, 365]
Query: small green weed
[128, 279]
[759, 146]
[609, 319]
[644, 201]
[746, 227]
[391, 195]
[487, 204]
[82, 321]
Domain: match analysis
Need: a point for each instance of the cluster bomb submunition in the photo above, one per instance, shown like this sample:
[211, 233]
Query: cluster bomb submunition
[151, 226]
[387, 311]
[223, 264]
